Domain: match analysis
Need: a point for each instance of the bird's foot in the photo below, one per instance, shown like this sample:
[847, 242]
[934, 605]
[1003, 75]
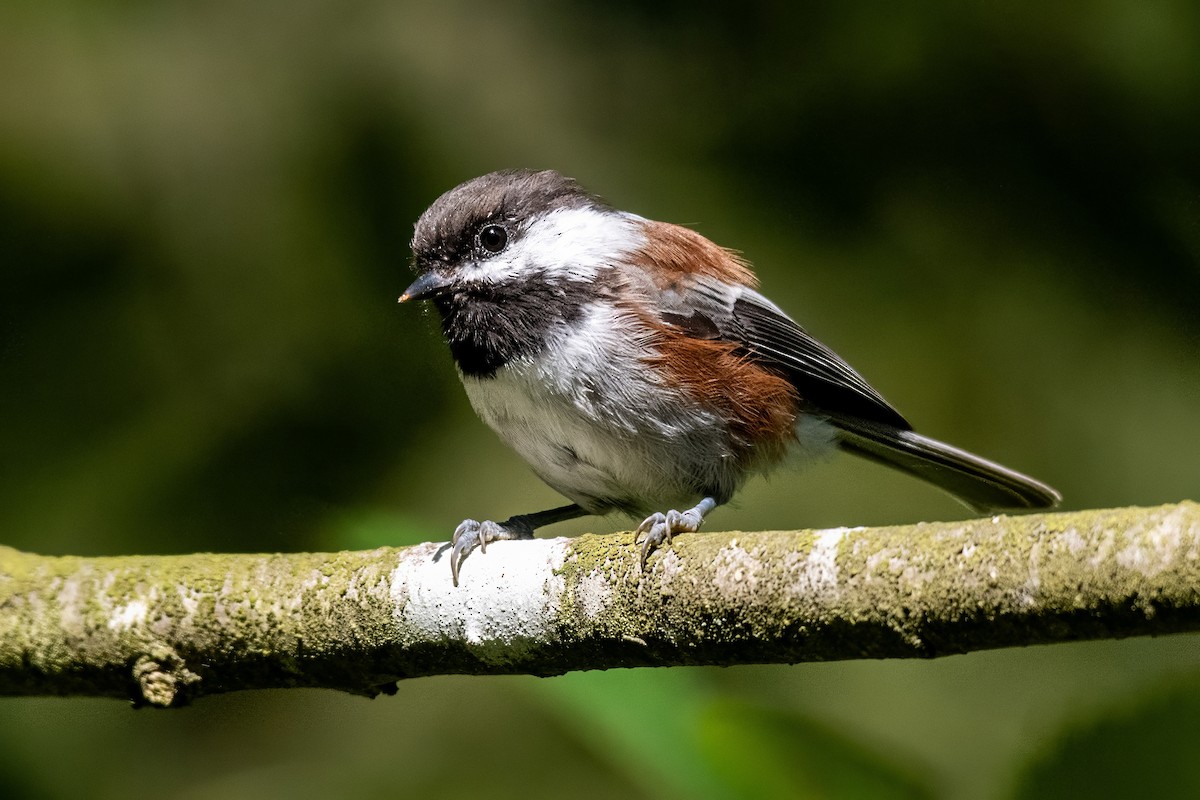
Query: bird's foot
[659, 528]
[471, 534]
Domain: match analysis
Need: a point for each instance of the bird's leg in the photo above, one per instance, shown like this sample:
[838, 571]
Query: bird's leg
[659, 528]
[471, 533]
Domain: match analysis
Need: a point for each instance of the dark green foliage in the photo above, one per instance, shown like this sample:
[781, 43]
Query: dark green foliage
[1144, 749]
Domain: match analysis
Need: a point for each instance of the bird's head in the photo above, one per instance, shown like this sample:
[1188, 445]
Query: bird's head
[506, 229]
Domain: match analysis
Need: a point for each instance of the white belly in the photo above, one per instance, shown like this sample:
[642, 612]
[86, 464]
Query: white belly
[595, 424]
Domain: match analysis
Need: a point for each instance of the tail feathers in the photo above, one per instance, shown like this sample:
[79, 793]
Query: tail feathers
[983, 485]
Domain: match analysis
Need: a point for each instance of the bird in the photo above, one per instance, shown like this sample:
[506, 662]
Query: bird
[636, 367]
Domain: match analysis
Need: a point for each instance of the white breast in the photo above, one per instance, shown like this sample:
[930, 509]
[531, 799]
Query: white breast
[595, 423]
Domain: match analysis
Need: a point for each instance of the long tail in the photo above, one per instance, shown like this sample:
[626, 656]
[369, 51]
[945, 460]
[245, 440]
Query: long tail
[983, 485]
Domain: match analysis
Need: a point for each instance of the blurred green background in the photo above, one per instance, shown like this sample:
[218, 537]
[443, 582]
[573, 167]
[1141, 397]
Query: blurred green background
[991, 210]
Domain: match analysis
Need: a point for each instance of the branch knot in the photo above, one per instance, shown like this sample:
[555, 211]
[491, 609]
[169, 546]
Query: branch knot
[162, 677]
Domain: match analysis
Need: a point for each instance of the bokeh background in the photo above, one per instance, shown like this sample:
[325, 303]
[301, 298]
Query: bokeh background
[991, 210]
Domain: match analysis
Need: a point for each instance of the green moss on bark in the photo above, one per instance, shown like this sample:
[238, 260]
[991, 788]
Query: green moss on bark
[162, 630]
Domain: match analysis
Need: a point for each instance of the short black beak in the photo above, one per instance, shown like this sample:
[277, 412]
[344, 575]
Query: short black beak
[428, 285]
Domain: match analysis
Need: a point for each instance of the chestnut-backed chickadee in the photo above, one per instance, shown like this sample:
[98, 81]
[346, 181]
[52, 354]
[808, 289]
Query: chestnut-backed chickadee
[635, 366]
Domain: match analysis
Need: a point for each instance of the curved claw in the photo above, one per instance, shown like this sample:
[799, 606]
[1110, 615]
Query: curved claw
[660, 529]
[466, 537]
[657, 532]
[471, 534]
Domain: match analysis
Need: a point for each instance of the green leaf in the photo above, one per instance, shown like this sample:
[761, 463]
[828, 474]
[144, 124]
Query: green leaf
[1146, 751]
[643, 722]
[765, 753]
[671, 735]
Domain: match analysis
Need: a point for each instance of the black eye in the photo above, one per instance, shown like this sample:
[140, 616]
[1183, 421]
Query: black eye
[493, 238]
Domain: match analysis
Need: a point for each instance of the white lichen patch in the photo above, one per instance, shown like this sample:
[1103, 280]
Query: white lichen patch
[508, 599]
[129, 615]
[1028, 592]
[1155, 549]
[1074, 543]
[595, 595]
[905, 568]
[369, 582]
[292, 603]
[314, 580]
[736, 571]
[1102, 549]
[816, 572]
[366, 582]
[69, 596]
[190, 598]
[668, 567]
[875, 560]
[226, 610]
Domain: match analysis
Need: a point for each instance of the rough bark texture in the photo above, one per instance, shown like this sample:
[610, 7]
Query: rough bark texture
[164, 630]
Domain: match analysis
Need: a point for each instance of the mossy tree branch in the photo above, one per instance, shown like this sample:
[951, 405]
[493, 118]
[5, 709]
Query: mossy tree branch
[164, 630]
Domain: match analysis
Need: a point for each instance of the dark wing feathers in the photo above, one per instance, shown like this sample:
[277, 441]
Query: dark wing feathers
[822, 378]
[867, 425]
[826, 384]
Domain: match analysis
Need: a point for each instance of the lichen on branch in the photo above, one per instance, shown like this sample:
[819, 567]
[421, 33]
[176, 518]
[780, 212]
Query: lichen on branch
[162, 630]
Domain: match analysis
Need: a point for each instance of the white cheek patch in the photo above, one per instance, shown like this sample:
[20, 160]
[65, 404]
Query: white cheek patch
[568, 242]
